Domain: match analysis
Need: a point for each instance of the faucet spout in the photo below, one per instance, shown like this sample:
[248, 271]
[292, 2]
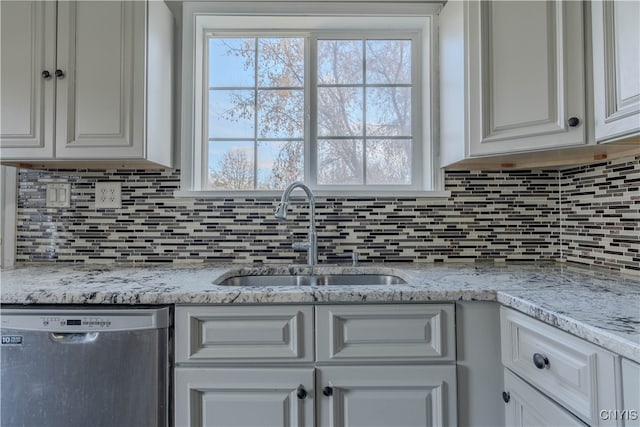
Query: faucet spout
[281, 213]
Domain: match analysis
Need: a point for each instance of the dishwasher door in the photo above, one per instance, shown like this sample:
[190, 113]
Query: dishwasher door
[84, 367]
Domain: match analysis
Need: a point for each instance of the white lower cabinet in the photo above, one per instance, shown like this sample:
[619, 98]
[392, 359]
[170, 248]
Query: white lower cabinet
[526, 407]
[374, 365]
[576, 375]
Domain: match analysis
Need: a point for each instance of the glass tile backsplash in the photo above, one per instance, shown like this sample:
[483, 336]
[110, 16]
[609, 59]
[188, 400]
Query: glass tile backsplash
[588, 214]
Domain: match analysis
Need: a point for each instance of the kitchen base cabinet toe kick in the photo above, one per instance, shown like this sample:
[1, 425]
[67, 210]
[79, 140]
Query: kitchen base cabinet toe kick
[342, 365]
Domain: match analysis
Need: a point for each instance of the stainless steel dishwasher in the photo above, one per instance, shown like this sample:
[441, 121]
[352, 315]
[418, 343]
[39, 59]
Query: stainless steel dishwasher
[84, 367]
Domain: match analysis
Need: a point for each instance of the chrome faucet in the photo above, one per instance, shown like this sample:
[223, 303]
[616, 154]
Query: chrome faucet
[311, 246]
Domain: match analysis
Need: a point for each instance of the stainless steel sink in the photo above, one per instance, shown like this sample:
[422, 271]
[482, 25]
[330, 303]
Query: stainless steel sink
[314, 280]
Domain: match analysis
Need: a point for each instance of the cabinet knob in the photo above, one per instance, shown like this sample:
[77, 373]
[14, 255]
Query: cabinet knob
[573, 121]
[301, 392]
[540, 361]
[327, 391]
[46, 75]
[60, 74]
[506, 396]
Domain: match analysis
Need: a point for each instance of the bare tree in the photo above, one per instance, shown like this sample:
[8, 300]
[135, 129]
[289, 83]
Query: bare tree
[235, 172]
[288, 166]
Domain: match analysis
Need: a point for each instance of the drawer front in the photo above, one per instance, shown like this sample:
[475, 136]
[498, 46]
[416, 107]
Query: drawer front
[569, 370]
[397, 332]
[265, 334]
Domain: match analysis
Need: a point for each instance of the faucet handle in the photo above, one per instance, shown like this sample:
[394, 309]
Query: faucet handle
[353, 255]
[300, 246]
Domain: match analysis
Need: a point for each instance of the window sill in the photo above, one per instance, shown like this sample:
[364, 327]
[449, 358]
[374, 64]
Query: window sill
[328, 194]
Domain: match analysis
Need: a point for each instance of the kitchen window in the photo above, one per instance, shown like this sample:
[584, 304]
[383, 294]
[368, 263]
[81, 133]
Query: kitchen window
[317, 94]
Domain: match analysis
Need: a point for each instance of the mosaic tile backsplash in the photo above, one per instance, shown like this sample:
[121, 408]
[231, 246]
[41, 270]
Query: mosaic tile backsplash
[514, 215]
[600, 214]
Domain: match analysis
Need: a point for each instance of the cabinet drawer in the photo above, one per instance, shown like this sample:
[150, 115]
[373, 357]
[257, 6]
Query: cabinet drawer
[576, 374]
[265, 334]
[397, 332]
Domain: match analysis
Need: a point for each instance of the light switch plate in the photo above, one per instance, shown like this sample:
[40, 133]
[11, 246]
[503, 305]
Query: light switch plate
[58, 194]
[108, 195]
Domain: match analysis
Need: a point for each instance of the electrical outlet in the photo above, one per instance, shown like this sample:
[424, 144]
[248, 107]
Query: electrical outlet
[58, 194]
[108, 195]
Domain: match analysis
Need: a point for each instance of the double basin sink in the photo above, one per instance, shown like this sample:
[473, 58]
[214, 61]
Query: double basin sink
[311, 279]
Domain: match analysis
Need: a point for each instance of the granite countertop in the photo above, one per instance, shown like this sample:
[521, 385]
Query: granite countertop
[599, 306]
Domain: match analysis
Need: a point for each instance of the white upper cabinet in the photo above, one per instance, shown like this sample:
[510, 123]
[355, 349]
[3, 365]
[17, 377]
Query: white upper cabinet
[616, 68]
[512, 77]
[110, 81]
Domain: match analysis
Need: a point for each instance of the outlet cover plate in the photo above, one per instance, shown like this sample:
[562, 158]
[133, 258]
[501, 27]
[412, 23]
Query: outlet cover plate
[108, 195]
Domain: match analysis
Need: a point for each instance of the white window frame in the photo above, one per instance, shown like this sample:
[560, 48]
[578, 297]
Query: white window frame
[302, 17]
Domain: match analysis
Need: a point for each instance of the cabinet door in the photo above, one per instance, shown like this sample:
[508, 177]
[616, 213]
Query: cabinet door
[399, 396]
[526, 65]
[100, 99]
[616, 68]
[243, 397]
[524, 406]
[28, 40]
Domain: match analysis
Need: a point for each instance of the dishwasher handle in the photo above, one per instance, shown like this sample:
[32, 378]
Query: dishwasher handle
[73, 337]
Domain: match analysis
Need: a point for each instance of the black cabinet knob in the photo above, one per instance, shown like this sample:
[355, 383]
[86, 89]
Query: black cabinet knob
[506, 396]
[573, 121]
[540, 361]
[60, 74]
[301, 392]
[46, 75]
[327, 391]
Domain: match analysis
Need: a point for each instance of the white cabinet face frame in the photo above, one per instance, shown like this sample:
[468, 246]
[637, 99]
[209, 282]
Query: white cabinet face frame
[616, 68]
[526, 76]
[27, 103]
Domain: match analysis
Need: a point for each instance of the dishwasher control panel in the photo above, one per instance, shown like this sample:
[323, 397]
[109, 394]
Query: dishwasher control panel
[69, 322]
[84, 320]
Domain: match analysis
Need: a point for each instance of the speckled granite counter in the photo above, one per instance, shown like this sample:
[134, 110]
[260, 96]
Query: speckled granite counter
[601, 307]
